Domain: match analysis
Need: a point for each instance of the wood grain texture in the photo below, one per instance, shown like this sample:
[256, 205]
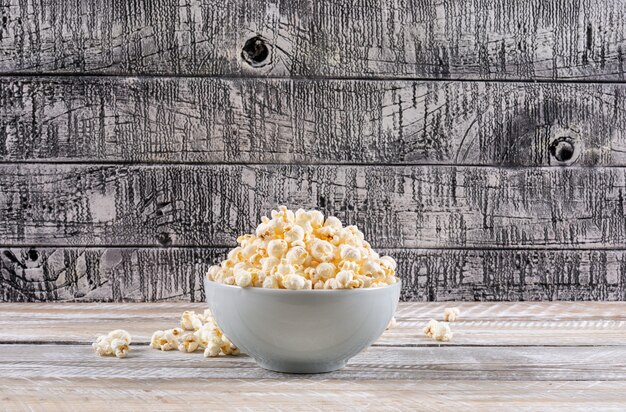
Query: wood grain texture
[105, 274]
[412, 363]
[175, 274]
[434, 206]
[55, 394]
[531, 39]
[513, 324]
[510, 369]
[194, 120]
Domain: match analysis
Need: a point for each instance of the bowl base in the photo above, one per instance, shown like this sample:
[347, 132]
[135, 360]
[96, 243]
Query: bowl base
[301, 367]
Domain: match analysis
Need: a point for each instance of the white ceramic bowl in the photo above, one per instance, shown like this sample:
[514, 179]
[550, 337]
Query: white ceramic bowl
[306, 331]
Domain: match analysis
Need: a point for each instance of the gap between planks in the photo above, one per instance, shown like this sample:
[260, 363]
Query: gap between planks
[249, 76]
[440, 363]
[503, 324]
[371, 165]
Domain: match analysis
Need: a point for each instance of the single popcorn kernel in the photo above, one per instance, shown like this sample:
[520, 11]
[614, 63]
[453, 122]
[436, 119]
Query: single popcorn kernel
[189, 343]
[303, 250]
[296, 282]
[116, 342]
[157, 339]
[430, 328]
[451, 314]
[119, 347]
[190, 321]
[438, 330]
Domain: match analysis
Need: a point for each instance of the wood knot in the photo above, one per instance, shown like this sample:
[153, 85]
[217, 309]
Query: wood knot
[563, 149]
[165, 239]
[33, 255]
[256, 52]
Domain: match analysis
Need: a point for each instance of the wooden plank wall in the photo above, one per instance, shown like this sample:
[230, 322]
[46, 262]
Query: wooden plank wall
[482, 143]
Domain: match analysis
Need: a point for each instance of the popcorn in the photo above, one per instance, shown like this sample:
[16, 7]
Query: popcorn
[325, 270]
[333, 222]
[243, 278]
[120, 334]
[272, 282]
[157, 339]
[102, 346]
[348, 252]
[430, 328]
[168, 340]
[190, 321]
[297, 255]
[206, 336]
[302, 250]
[189, 343]
[438, 330]
[322, 250]
[345, 280]
[295, 234]
[212, 350]
[392, 323]
[228, 348]
[116, 342]
[451, 314]
[296, 282]
[120, 347]
[277, 248]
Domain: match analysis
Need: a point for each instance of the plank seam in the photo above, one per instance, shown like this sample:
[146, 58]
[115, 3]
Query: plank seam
[204, 164]
[489, 248]
[97, 75]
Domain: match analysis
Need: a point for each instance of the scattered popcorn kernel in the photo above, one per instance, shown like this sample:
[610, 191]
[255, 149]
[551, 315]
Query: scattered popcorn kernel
[189, 343]
[438, 330]
[116, 342]
[451, 314]
[157, 338]
[392, 323]
[120, 347]
[228, 348]
[190, 321]
[102, 346]
[304, 250]
[206, 336]
[169, 340]
[212, 350]
[442, 332]
[430, 327]
[120, 334]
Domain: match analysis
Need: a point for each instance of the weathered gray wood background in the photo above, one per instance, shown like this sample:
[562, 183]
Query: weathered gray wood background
[480, 142]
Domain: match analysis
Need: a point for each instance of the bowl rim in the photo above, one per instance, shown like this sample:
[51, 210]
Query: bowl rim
[307, 291]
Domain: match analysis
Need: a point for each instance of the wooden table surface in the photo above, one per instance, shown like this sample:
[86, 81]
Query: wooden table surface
[518, 356]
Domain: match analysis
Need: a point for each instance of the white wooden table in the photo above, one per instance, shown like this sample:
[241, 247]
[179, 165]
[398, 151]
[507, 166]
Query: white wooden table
[518, 356]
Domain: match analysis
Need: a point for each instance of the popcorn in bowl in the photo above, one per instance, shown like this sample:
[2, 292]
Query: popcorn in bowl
[304, 250]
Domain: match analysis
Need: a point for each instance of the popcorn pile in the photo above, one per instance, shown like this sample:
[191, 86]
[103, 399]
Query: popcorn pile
[302, 250]
[116, 343]
[206, 335]
[441, 330]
